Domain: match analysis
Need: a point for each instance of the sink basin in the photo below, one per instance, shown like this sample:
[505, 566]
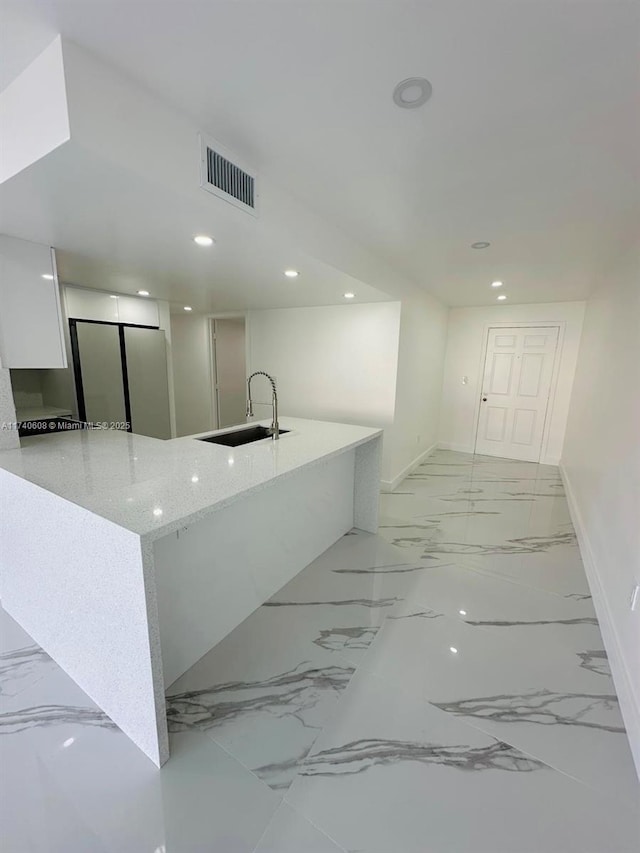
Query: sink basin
[234, 438]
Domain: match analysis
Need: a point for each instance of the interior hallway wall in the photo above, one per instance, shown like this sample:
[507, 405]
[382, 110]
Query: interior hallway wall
[601, 468]
[331, 363]
[192, 375]
[466, 338]
[423, 335]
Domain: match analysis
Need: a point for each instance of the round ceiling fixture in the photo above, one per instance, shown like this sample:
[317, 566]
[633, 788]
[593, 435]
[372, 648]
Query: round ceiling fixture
[412, 92]
[48, 276]
[291, 273]
[482, 244]
[496, 284]
[143, 293]
[188, 308]
[349, 295]
[203, 240]
[501, 297]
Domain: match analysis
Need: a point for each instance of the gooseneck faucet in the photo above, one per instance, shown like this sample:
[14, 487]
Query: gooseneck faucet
[274, 431]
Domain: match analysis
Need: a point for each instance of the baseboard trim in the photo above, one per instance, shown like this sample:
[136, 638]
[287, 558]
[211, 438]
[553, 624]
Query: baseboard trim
[629, 706]
[460, 448]
[391, 485]
[550, 460]
[464, 448]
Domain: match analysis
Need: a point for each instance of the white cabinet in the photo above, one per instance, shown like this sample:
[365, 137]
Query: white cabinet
[31, 330]
[84, 304]
[90, 305]
[138, 310]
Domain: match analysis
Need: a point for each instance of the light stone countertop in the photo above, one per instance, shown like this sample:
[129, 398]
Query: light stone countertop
[40, 413]
[154, 487]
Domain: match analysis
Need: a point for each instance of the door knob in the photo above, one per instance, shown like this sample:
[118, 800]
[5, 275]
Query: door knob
[484, 399]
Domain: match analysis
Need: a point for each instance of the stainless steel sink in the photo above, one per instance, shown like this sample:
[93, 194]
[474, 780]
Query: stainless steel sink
[245, 435]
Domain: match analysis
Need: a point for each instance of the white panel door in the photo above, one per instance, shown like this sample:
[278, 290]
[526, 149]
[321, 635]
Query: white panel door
[515, 391]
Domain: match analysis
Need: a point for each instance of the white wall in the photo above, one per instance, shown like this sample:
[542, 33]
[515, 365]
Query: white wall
[601, 467]
[466, 339]
[423, 333]
[333, 363]
[27, 387]
[192, 375]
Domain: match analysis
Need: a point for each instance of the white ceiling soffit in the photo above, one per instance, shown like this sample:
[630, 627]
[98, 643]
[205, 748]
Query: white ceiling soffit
[530, 140]
[139, 236]
[122, 202]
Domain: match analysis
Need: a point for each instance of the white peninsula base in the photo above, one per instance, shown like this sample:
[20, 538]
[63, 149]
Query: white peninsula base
[128, 558]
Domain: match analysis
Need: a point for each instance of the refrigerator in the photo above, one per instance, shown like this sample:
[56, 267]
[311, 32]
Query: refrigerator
[121, 376]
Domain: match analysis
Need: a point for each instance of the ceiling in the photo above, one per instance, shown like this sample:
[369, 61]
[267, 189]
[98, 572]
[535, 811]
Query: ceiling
[531, 140]
[121, 233]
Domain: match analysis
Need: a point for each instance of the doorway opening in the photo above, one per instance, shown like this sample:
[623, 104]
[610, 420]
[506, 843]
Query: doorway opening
[229, 370]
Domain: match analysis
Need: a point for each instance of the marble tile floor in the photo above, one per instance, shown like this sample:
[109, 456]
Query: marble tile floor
[441, 687]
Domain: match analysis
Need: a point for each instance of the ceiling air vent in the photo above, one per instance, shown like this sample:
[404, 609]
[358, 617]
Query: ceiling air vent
[224, 176]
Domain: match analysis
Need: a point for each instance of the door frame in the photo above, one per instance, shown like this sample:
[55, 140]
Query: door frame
[560, 325]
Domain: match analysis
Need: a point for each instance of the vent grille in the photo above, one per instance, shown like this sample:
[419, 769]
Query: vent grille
[226, 179]
[229, 178]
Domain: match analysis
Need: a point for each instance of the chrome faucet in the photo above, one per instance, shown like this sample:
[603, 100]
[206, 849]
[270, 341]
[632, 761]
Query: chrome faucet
[274, 430]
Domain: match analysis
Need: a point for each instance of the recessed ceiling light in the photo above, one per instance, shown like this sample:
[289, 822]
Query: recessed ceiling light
[453, 650]
[291, 273]
[462, 612]
[203, 240]
[412, 92]
[501, 297]
[482, 244]
[349, 295]
[143, 293]
[188, 308]
[112, 296]
[47, 275]
[496, 284]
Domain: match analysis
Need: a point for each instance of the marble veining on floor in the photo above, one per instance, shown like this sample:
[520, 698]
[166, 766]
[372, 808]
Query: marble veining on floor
[441, 686]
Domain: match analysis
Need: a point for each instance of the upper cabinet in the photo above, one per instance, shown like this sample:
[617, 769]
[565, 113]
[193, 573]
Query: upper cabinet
[31, 328]
[84, 304]
[138, 311]
[90, 305]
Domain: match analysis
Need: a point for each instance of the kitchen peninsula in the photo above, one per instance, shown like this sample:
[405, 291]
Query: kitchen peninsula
[127, 558]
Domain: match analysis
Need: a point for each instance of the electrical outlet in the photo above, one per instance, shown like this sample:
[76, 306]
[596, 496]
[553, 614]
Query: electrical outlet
[635, 596]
